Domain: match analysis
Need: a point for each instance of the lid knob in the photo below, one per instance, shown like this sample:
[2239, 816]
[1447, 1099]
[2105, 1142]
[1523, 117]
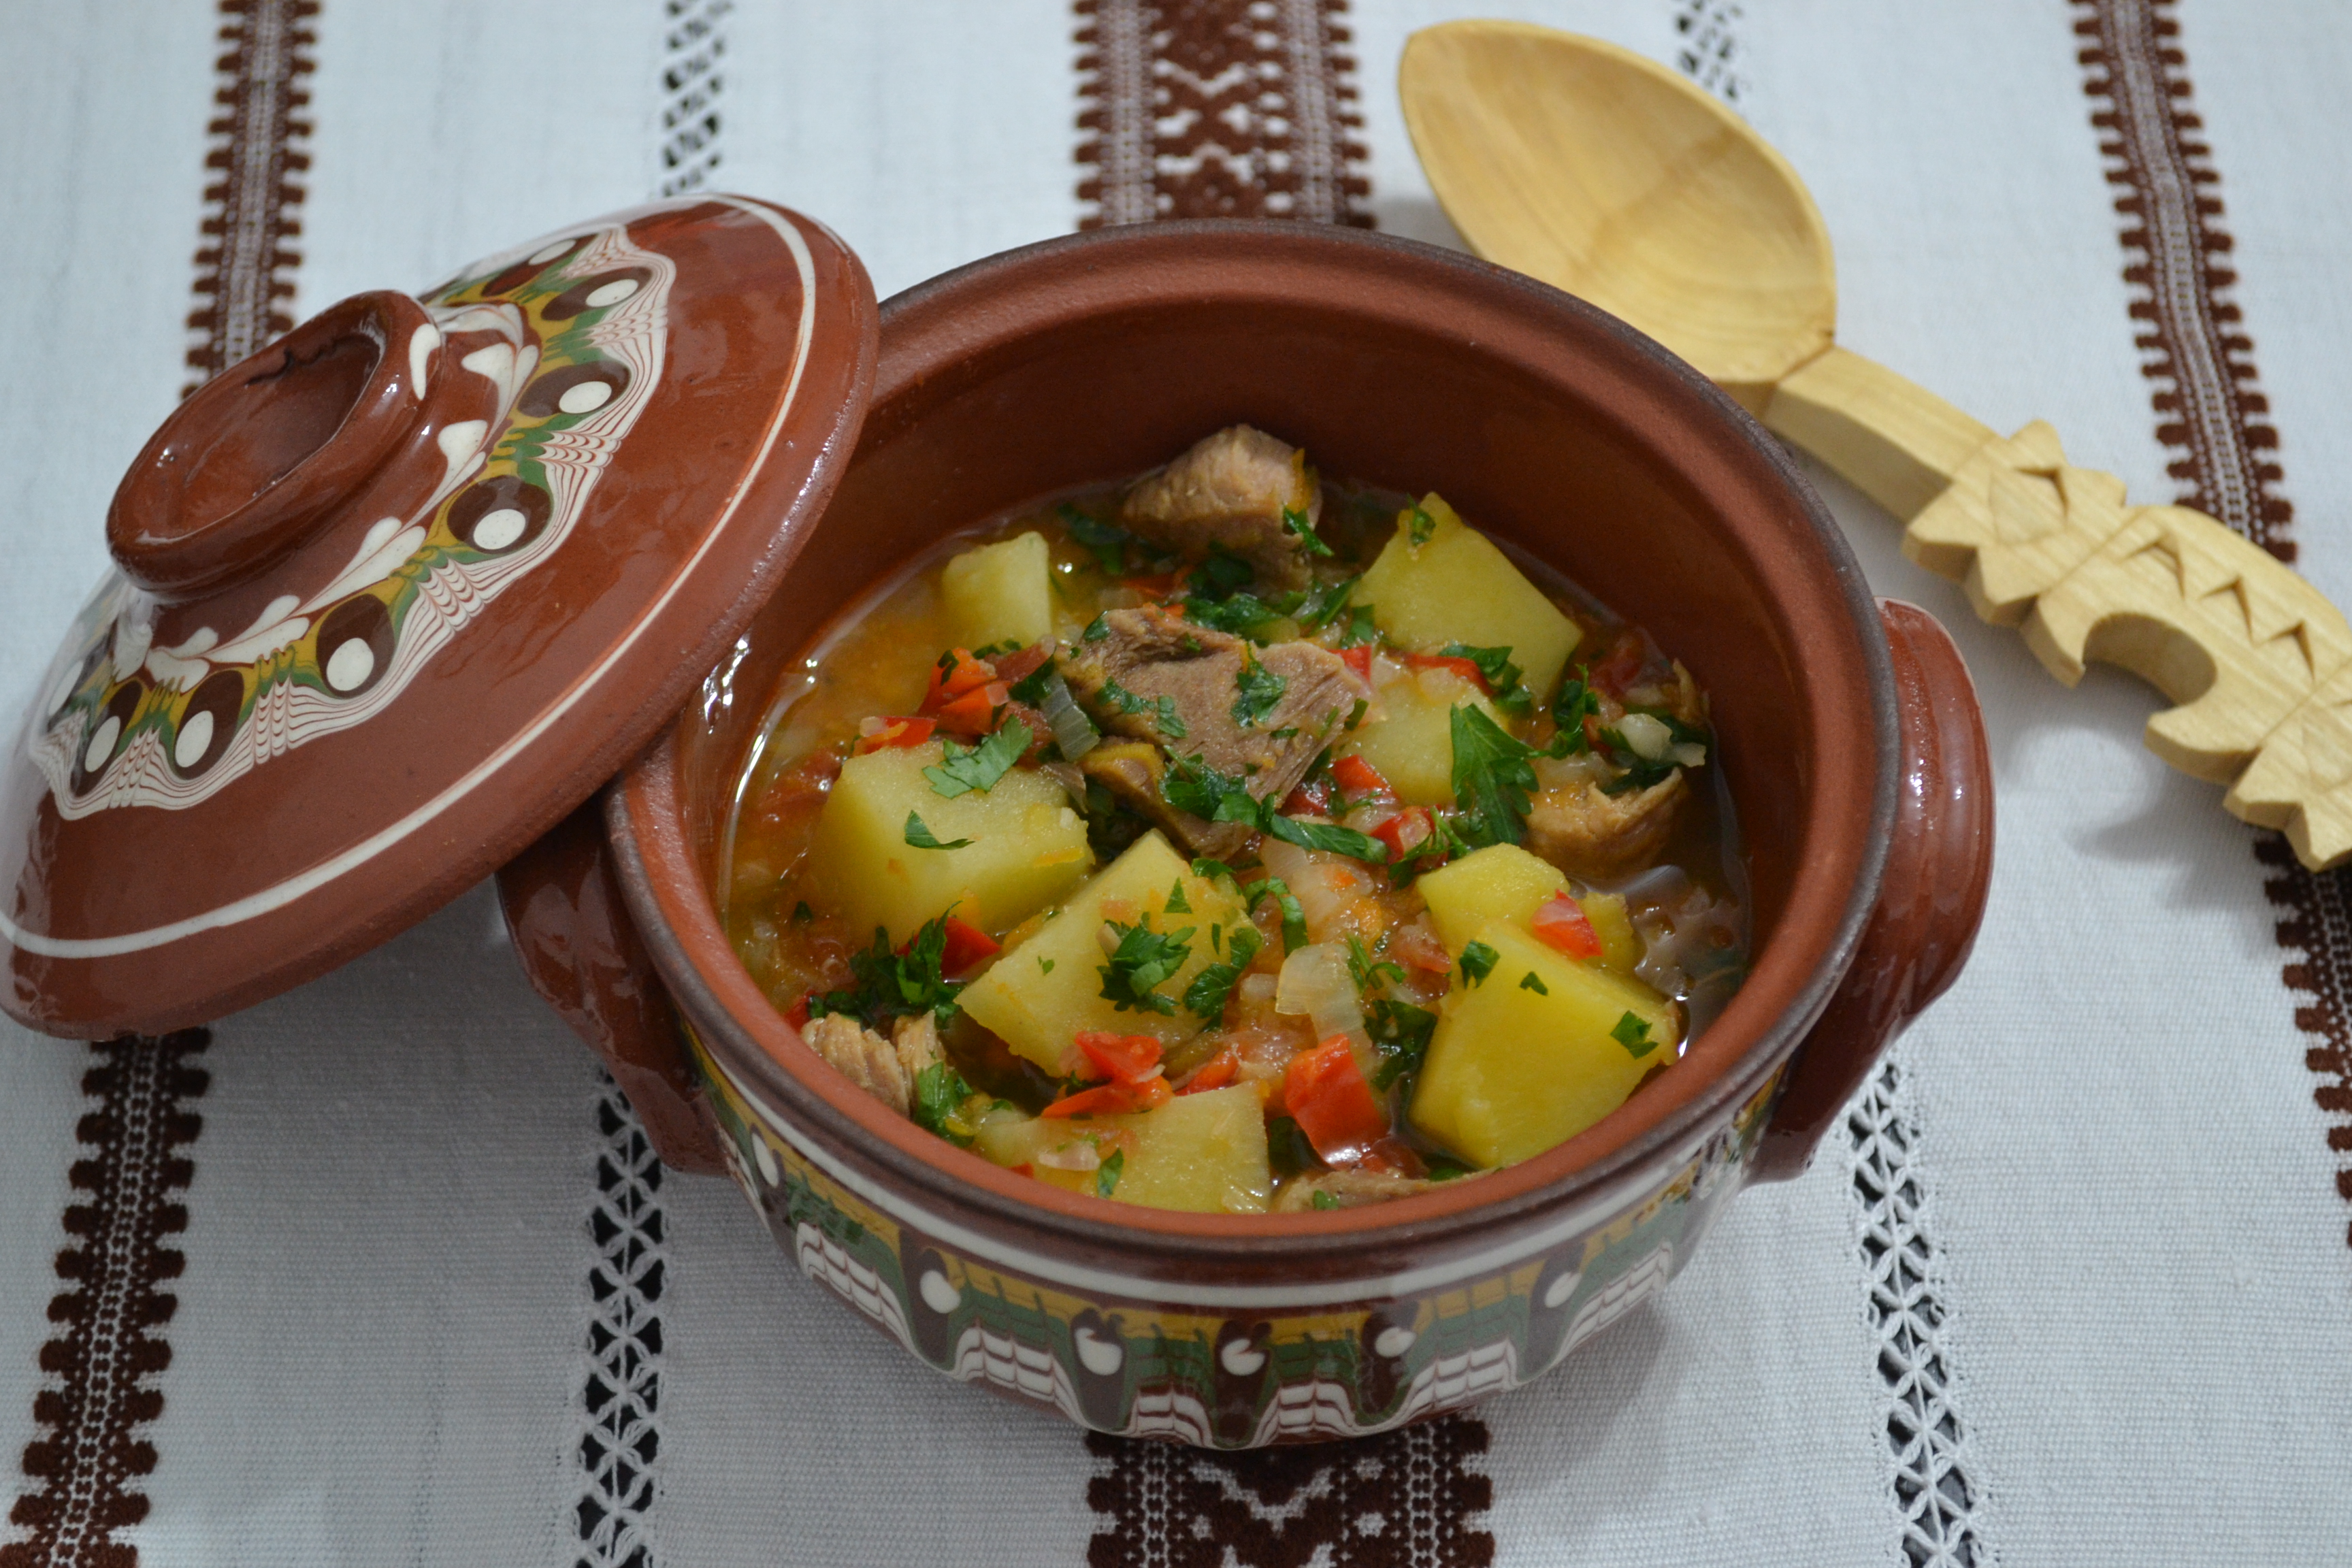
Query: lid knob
[263, 453]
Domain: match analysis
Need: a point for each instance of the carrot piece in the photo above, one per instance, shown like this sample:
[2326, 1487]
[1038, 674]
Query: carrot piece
[1326, 1094]
[955, 673]
[1123, 1059]
[893, 731]
[966, 946]
[1560, 923]
[1357, 776]
[1215, 1073]
[1112, 1099]
[1406, 832]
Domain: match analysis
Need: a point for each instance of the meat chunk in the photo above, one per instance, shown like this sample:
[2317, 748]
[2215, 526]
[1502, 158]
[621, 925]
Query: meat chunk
[887, 1069]
[1259, 716]
[1229, 493]
[1131, 770]
[1347, 1189]
[1593, 835]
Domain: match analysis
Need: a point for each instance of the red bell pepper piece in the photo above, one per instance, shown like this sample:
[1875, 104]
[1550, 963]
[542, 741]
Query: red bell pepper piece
[974, 712]
[1406, 832]
[961, 673]
[1112, 1099]
[1356, 776]
[1467, 669]
[1123, 1059]
[1615, 673]
[797, 1014]
[1326, 1094]
[966, 946]
[1560, 923]
[1358, 660]
[894, 731]
[1310, 799]
[1215, 1073]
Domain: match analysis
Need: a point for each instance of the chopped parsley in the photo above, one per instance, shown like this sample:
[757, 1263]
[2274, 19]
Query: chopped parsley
[964, 769]
[1163, 710]
[921, 837]
[1220, 577]
[998, 649]
[1287, 1148]
[1205, 998]
[1445, 1167]
[1045, 966]
[1097, 629]
[1106, 1175]
[1031, 688]
[1323, 1200]
[1401, 1033]
[896, 984]
[1327, 836]
[1261, 690]
[1360, 632]
[1294, 918]
[1478, 961]
[1240, 616]
[940, 1094]
[1177, 903]
[1633, 1033]
[1575, 703]
[1492, 780]
[1295, 521]
[1210, 870]
[1419, 525]
[1315, 606]
[1528, 981]
[1370, 977]
[1115, 549]
[1505, 680]
[1143, 960]
[1191, 784]
[801, 913]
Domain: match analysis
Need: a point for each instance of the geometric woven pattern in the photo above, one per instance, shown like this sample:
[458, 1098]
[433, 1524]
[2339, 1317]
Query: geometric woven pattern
[1923, 1431]
[620, 1442]
[1707, 49]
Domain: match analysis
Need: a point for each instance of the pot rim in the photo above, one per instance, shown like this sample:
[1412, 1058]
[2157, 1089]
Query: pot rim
[965, 307]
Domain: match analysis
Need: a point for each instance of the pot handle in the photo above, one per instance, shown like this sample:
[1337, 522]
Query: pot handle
[571, 932]
[1931, 896]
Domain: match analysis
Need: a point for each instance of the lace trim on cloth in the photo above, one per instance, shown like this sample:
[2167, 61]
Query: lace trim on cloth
[1218, 109]
[245, 270]
[103, 1367]
[620, 1402]
[1924, 1436]
[1405, 1497]
[2211, 412]
[693, 49]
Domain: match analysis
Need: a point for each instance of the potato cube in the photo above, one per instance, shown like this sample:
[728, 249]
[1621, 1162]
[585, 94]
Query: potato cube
[1205, 1152]
[1411, 742]
[1041, 992]
[1028, 847]
[1001, 593]
[1528, 1057]
[1456, 586]
[1620, 950]
[1500, 882]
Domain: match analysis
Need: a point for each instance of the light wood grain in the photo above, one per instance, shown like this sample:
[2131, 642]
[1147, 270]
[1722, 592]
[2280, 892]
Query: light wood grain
[1599, 172]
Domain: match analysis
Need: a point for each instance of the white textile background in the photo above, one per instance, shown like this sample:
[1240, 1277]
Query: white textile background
[378, 1355]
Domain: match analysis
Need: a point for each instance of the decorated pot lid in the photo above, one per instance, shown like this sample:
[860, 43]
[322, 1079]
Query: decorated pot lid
[396, 592]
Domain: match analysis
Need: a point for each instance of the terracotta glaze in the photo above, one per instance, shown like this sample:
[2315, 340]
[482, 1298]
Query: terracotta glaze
[1857, 774]
[442, 564]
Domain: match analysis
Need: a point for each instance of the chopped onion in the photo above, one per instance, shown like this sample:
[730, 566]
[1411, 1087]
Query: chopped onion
[1649, 735]
[1073, 732]
[1688, 753]
[1315, 983]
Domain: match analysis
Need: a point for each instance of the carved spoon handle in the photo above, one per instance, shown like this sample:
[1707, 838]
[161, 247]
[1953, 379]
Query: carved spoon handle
[2255, 659]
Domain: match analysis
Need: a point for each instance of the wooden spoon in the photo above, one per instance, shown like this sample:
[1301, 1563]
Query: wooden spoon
[1590, 168]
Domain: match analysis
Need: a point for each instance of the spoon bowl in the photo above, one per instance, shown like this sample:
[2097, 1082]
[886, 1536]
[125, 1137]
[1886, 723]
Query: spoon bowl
[1585, 165]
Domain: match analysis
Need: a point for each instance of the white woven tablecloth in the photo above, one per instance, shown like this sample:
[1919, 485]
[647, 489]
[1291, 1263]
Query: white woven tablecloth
[2072, 1284]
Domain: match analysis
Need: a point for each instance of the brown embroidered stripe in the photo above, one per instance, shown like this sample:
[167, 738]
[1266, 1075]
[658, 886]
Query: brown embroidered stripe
[1235, 108]
[2210, 410]
[108, 1348]
[1218, 109]
[245, 272]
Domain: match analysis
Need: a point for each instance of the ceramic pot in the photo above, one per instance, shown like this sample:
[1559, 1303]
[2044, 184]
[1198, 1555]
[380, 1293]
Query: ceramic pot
[1848, 735]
